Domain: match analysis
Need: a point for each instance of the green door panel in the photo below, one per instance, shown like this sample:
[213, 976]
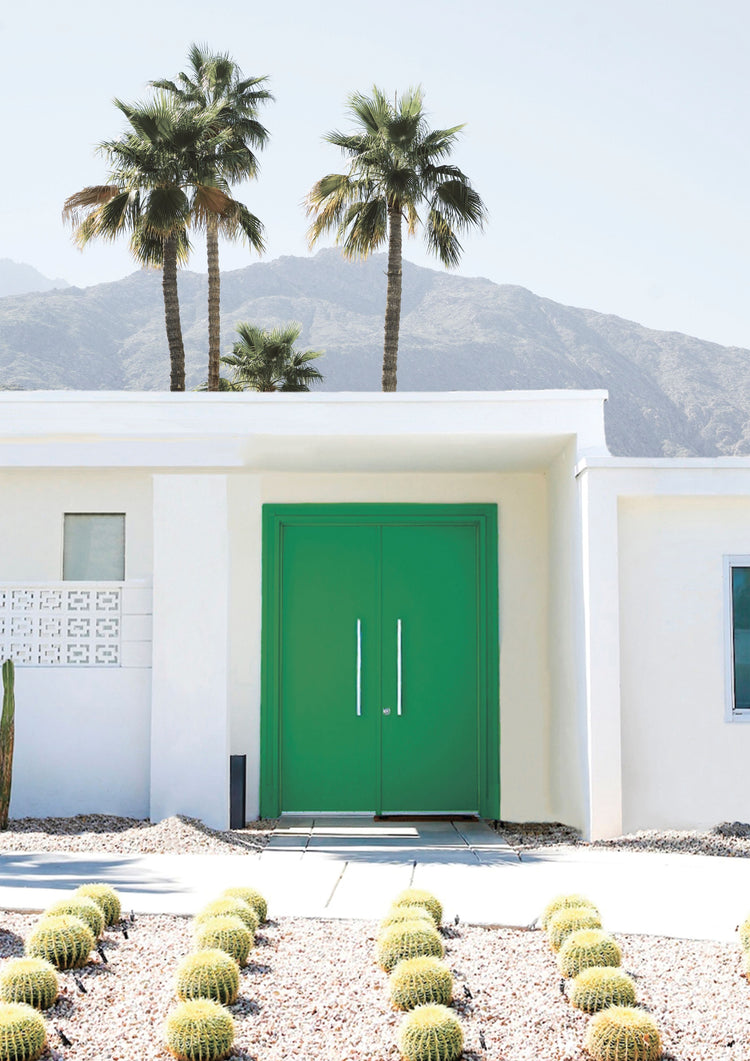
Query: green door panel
[430, 748]
[333, 737]
[329, 752]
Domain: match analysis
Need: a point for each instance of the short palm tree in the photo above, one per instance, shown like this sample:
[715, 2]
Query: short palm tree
[266, 360]
[395, 168]
[216, 80]
[158, 186]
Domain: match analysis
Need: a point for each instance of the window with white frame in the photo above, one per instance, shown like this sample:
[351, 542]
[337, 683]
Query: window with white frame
[94, 547]
[738, 647]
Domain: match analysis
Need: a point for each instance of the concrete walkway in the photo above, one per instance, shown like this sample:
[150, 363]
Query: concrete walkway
[344, 867]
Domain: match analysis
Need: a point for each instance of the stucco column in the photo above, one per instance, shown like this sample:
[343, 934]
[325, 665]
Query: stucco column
[190, 710]
[602, 653]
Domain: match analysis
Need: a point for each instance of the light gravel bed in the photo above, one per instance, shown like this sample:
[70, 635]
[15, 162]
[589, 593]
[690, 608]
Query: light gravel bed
[313, 991]
[729, 839]
[108, 834]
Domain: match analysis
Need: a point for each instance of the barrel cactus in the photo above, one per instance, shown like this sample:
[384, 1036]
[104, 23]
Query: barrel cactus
[561, 902]
[420, 982]
[23, 1035]
[106, 898]
[208, 974]
[623, 1033]
[199, 1030]
[225, 933]
[586, 948]
[398, 914]
[569, 920]
[230, 907]
[410, 939]
[744, 931]
[64, 940]
[251, 897]
[32, 981]
[82, 907]
[431, 1033]
[599, 987]
[420, 897]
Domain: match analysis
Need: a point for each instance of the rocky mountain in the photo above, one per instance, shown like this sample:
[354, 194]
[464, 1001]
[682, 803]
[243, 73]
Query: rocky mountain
[670, 394]
[16, 278]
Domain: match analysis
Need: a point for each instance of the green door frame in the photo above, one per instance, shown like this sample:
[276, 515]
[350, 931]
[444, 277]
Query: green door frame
[484, 519]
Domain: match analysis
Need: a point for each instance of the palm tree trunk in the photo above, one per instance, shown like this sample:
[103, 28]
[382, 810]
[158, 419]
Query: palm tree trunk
[214, 302]
[392, 300]
[172, 315]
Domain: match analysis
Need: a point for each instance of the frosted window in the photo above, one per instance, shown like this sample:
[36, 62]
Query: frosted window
[741, 636]
[94, 547]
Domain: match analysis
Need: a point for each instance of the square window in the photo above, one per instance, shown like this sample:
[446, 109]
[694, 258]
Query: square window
[94, 547]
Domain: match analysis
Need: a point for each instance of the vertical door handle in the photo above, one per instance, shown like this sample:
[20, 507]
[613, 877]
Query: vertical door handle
[359, 668]
[398, 666]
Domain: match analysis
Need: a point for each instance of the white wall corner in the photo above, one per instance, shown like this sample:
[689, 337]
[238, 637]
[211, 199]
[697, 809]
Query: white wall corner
[601, 627]
[190, 712]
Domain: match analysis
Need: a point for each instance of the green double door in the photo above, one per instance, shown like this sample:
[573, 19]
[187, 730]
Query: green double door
[379, 665]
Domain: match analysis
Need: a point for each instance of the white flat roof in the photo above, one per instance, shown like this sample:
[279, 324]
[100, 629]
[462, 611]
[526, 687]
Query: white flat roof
[422, 431]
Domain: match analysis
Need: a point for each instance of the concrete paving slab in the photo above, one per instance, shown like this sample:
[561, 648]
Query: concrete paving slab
[481, 835]
[367, 890]
[349, 875]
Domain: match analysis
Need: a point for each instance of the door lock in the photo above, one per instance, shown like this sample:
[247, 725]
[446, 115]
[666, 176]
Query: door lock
[386, 710]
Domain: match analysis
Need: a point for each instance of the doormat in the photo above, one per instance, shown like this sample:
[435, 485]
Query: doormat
[426, 818]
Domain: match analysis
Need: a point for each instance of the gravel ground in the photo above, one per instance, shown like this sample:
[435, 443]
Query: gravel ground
[108, 834]
[313, 990]
[730, 839]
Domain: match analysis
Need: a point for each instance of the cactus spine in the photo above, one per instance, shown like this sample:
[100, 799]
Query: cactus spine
[230, 907]
[23, 1035]
[623, 1033]
[431, 1033]
[420, 982]
[65, 941]
[420, 897]
[597, 988]
[251, 897]
[586, 948]
[199, 1030]
[7, 731]
[84, 909]
[32, 981]
[208, 974]
[562, 902]
[410, 939]
[405, 913]
[104, 897]
[225, 933]
[569, 920]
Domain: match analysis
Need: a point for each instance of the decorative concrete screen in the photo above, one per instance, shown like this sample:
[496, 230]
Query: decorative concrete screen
[61, 624]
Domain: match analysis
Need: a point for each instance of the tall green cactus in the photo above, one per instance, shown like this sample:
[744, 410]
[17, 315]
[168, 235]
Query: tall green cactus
[7, 727]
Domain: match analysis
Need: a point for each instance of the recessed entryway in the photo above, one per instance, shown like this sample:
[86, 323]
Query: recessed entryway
[380, 660]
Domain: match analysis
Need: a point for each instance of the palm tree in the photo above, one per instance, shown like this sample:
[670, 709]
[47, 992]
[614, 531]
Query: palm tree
[266, 360]
[158, 186]
[395, 168]
[216, 80]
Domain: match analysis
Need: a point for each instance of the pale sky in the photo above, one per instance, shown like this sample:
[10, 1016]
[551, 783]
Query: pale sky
[608, 138]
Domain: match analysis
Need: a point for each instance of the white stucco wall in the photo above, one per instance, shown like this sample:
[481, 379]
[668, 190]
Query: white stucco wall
[683, 765]
[190, 700]
[523, 602]
[81, 733]
[569, 787]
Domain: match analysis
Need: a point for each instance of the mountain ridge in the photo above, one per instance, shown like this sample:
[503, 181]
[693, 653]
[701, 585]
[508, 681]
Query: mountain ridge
[670, 394]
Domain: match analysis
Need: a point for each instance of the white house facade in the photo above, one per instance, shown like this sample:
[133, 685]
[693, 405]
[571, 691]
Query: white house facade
[408, 603]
